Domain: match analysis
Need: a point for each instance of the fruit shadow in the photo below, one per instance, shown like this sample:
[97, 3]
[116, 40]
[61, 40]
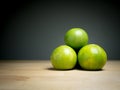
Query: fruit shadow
[53, 69]
[81, 69]
[75, 68]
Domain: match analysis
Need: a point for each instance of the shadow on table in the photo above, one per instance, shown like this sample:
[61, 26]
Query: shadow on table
[76, 68]
[53, 69]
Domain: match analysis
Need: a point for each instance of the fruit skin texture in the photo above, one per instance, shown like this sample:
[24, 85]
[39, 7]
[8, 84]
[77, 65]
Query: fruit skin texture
[92, 57]
[63, 57]
[76, 38]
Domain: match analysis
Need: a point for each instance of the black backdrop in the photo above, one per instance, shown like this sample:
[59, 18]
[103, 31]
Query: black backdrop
[32, 29]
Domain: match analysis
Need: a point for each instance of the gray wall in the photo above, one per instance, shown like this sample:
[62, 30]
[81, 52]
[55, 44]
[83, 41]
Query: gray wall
[31, 30]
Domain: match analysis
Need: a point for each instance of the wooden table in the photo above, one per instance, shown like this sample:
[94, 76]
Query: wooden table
[39, 75]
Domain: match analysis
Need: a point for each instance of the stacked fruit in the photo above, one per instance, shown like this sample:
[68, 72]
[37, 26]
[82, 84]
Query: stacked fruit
[77, 51]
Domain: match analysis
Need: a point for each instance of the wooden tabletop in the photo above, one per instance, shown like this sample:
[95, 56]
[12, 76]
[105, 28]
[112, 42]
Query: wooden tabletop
[39, 75]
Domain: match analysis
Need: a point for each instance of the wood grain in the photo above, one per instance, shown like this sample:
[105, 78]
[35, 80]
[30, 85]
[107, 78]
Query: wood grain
[39, 75]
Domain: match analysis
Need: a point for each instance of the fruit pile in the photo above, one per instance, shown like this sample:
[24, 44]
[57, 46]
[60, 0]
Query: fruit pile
[77, 51]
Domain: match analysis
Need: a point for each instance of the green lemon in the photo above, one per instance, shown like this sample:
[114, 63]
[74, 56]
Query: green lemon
[63, 57]
[76, 38]
[92, 57]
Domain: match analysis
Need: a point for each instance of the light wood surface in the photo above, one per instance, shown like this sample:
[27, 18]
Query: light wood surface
[39, 75]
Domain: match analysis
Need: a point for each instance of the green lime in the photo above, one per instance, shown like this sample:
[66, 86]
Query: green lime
[63, 57]
[76, 38]
[92, 57]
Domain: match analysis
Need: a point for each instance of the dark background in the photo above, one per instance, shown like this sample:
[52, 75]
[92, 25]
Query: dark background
[32, 29]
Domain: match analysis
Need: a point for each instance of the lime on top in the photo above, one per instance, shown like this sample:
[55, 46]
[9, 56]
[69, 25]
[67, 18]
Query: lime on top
[76, 38]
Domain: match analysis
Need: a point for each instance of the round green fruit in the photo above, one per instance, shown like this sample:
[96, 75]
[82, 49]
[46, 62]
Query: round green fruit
[92, 57]
[63, 57]
[76, 38]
